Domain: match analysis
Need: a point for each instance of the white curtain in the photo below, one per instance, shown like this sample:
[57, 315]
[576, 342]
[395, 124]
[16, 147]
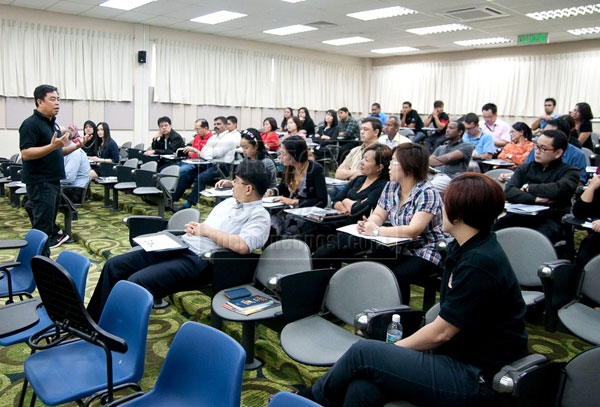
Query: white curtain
[205, 74]
[82, 64]
[517, 85]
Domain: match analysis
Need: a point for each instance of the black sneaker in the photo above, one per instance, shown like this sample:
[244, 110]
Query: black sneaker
[58, 240]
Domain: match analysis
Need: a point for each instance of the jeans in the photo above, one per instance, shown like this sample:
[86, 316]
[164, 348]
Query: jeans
[44, 198]
[187, 175]
[209, 175]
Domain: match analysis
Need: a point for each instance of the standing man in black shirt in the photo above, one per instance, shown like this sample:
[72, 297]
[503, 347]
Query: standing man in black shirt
[43, 148]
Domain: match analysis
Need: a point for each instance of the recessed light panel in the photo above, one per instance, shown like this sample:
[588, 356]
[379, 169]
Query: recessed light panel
[395, 50]
[125, 4]
[291, 29]
[218, 17]
[292, 1]
[437, 29]
[483, 41]
[385, 12]
[347, 41]
[565, 12]
[585, 31]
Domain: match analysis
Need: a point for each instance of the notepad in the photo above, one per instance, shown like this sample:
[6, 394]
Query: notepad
[524, 209]
[383, 240]
[161, 241]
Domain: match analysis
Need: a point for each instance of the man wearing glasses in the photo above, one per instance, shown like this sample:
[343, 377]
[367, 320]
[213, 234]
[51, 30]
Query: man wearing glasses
[545, 181]
[167, 140]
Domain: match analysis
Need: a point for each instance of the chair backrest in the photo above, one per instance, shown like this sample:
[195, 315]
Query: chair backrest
[131, 163]
[581, 381]
[36, 239]
[591, 280]
[495, 174]
[15, 172]
[182, 217]
[108, 169]
[124, 173]
[135, 153]
[432, 313]
[149, 166]
[126, 145]
[283, 257]
[64, 305]
[284, 399]
[203, 366]
[131, 325]
[144, 178]
[360, 286]
[588, 154]
[139, 146]
[526, 250]
[78, 266]
[14, 157]
[170, 183]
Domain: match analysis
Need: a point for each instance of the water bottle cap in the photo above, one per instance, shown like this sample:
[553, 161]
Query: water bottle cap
[396, 318]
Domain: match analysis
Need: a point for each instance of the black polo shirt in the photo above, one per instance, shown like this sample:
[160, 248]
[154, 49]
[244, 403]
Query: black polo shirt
[37, 131]
[480, 295]
[413, 118]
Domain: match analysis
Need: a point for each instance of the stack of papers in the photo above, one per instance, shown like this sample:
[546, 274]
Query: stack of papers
[213, 192]
[383, 240]
[270, 203]
[162, 241]
[524, 209]
[248, 305]
[335, 181]
[316, 213]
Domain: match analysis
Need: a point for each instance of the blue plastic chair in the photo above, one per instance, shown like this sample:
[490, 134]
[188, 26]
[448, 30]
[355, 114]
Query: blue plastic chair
[73, 371]
[78, 266]
[204, 367]
[22, 282]
[284, 399]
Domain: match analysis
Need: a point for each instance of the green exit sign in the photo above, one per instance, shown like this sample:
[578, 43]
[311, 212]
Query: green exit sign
[533, 38]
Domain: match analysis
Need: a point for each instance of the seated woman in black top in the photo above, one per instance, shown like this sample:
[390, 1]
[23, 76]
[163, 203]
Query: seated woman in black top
[582, 113]
[480, 327]
[327, 134]
[91, 147]
[108, 151]
[588, 206]
[308, 126]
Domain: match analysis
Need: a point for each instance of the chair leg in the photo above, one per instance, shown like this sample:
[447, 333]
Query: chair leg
[248, 328]
[23, 392]
[115, 205]
[161, 207]
[33, 398]
[106, 196]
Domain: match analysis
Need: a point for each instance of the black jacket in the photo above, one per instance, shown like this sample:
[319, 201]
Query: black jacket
[316, 190]
[174, 142]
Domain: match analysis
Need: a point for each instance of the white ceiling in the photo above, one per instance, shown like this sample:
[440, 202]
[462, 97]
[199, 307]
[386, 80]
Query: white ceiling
[386, 33]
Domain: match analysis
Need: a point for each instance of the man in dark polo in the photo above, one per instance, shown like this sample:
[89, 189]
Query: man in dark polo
[167, 140]
[43, 148]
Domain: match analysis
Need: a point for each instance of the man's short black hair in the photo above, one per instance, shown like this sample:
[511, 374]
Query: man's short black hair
[223, 119]
[164, 119]
[203, 123]
[377, 105]
[490, 106]
[550, 100]
[343, 109]
[438, 103]
[41, 91]
[255, 173]
[559, 139]
[232, 119]
[560, 124]
[471, 118]
[375, 123]
[460, 126]
[395, 119]
[407, 103]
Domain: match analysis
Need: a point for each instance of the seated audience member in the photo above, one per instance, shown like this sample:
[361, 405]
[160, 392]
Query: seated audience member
[287, 113]
[496, 127]
[307, 126]
[572, 155]
[545, 181]
[520, 144]
[414, 209]
[582, 113]
[480, 327]
[377, 113]
[167, 140]
[270, 136]
[588, 206]
[91, 147]
[293, 128]
[391, 137]
[349, 130]
[549, 106]
[573, 134]
[410, 118]
[483, 143]
[327, 134]
[231, 126]
[254, 149]
[370, 130]
[108, 150]
[240, 224]
[452, 158]
[220, 150]
[438, 119]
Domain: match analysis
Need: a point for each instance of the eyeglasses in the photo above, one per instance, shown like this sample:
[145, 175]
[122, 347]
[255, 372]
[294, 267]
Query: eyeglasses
[235, 181]
[543, 148]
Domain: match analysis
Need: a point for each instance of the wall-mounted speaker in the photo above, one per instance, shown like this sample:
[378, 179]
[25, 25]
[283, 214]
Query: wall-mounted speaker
[142, 57]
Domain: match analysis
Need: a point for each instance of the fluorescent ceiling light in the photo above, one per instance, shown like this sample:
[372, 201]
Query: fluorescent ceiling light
[347, 41]
[218, 17]
[385, 12]
[292, 1]
[125, 4]
[395, 50]
[585, 31]
[290, 29]
[565, 12]
[483, 41]
[437, 29]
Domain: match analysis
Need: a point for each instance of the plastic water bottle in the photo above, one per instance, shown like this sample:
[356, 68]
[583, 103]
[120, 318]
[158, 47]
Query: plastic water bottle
[394, 330]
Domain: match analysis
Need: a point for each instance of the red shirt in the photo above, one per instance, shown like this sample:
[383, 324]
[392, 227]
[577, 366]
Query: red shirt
[271, 140]
[199, 142]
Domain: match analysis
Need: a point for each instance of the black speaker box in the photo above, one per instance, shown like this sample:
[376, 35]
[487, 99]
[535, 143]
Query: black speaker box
[142, 57]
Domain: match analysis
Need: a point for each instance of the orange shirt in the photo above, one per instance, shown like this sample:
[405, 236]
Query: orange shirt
[518, 152]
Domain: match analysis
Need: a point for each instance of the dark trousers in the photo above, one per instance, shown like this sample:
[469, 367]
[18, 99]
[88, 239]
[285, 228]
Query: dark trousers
[549, 227]
[187, 175]
[44, 198]
[408, 270]
[372, 373]
[209, 175]
[588, 249]
[161, 273]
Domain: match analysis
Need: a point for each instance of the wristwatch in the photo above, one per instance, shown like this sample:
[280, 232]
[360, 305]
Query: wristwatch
[376, 231]
[525, 187]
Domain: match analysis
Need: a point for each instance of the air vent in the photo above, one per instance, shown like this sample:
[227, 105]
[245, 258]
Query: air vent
[321, 24]
[475, 14]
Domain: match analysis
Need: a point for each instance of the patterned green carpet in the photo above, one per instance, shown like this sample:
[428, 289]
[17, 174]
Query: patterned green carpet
[100, 233]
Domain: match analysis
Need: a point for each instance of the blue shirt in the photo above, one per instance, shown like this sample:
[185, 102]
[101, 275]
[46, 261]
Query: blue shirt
[381, 116]
[543, 123]
[573, 156]
[482, 144]
[77, 169]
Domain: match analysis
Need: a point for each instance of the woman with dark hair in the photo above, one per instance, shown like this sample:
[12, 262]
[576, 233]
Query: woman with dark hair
[308, 126]
[293, 128]
[270, 136]
[520, 144]
[91, 147]
[108, 150]
[582, 113]
[287, 113]
[327, 134]
[480, 327]
[253, 148]
[414, 209]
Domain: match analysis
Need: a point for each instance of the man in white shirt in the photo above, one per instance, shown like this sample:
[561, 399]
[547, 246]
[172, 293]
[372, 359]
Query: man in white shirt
[240, 224]
[220, 150]
[231, 126]
[494, 126]
[391, 138]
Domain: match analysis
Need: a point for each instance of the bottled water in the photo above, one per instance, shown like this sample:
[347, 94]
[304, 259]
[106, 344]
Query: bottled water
[394, 330]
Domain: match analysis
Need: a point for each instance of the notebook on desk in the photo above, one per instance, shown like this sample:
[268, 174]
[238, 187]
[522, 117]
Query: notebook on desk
[160, 242]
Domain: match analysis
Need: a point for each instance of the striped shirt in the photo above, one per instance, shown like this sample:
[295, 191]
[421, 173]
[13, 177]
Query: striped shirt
[423, 198]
